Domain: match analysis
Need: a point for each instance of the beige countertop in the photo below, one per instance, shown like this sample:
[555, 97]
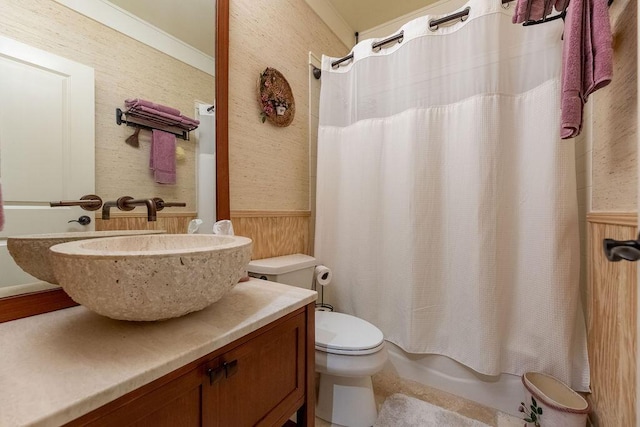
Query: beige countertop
[58, 366]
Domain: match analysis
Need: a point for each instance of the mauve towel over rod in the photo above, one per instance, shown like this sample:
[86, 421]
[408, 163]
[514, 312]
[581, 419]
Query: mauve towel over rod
[435, 23]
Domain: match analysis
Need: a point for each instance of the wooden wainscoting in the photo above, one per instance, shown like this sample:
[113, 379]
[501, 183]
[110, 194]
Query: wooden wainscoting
[274, 233]
[171, 222]
[611, 323]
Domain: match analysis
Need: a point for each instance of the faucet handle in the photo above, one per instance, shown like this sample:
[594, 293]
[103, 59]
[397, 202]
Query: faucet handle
[123, 204]
[161, 204]
[89, 202]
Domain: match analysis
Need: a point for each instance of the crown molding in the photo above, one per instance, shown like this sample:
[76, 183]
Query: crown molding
[120, 20]
[336, 23]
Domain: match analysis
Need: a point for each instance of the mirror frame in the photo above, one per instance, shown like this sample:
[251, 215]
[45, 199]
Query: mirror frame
[33, 303]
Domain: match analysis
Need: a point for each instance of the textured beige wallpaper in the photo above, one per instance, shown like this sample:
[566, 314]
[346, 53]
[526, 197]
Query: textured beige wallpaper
[123, 68]
[614, 120]
[269, 166]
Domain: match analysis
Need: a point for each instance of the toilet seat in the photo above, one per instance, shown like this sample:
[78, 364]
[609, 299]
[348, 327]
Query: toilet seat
[339, 333]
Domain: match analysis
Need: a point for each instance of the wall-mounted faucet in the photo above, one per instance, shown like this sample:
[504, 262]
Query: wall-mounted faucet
[127, 203]
[107, 207]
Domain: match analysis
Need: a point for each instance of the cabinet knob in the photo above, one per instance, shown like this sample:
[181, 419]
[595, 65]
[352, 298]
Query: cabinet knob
[215, 374]
[230, 368]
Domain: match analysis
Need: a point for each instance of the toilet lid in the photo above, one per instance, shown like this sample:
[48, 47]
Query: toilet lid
[341, 333]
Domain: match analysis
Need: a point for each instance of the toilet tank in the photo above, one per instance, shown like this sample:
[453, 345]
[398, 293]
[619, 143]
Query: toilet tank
[295, 270]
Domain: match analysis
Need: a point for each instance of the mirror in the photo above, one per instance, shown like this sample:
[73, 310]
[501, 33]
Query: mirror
[14, 307]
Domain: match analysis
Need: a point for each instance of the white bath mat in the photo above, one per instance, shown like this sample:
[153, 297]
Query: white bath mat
[399, 410]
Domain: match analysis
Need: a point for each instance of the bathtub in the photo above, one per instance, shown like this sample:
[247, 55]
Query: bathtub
[503, 392]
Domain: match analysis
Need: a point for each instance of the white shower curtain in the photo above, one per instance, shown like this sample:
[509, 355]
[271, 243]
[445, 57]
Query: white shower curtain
[446, 201]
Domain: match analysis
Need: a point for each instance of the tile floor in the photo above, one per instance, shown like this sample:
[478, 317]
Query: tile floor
[387, 383]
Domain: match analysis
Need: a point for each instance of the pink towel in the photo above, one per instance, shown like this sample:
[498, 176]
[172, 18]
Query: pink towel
[164, 117]
[158, 115]
[587, 59]
[535, 10]
[162, 160]
[573, 57]
[601, 47]
[189, 122]
[1, 212]
[132, 103]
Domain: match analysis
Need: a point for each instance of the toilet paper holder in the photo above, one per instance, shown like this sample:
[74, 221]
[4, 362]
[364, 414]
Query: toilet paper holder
[322, 306]
[322, 277]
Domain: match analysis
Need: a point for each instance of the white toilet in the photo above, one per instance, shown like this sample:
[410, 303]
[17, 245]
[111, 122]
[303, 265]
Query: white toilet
[348, 349]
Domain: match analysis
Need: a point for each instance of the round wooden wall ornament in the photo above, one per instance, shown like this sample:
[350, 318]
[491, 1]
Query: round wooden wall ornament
[275, 98]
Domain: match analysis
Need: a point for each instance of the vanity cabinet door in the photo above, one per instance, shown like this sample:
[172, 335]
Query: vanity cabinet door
[175, 404]
[264, 378]
[259, 380]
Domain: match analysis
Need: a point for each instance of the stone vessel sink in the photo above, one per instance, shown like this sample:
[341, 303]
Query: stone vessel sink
[151, 277]
[31, 252]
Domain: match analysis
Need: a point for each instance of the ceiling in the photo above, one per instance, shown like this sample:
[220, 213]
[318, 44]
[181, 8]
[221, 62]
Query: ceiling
[366, 14]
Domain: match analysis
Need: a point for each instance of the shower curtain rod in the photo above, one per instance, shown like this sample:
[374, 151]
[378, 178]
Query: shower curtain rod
[378, 45]
[435, 23]
[336, 63]
[374, 46]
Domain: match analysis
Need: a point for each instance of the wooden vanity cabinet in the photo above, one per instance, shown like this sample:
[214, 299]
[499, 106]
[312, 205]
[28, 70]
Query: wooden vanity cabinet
[261, 379]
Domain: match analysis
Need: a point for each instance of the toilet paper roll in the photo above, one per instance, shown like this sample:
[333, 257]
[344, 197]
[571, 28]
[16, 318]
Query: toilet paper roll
[323, 275]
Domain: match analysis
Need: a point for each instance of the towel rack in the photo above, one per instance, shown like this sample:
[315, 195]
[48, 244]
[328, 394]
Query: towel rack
[562, 15]
[129, 118]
